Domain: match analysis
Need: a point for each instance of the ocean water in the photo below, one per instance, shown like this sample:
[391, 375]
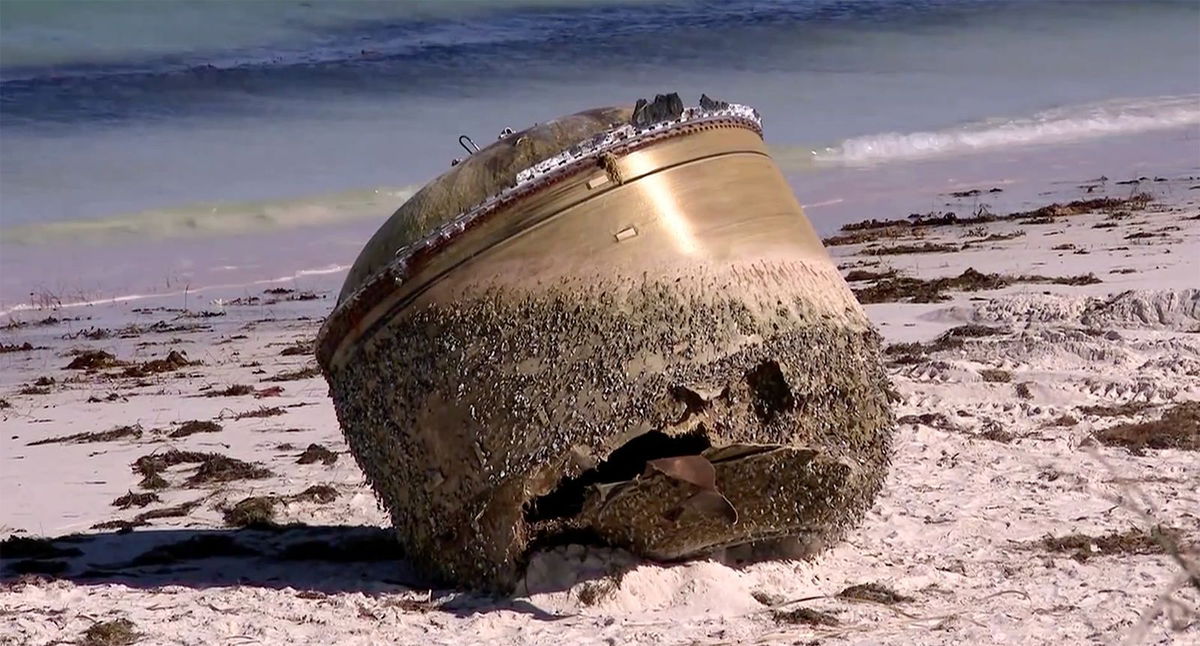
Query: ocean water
[220, 141]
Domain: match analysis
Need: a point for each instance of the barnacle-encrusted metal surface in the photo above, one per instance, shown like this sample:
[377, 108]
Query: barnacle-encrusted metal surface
[636, 339]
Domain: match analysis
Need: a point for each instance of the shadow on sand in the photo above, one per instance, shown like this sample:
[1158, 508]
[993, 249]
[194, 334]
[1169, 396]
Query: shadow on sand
[315, 560]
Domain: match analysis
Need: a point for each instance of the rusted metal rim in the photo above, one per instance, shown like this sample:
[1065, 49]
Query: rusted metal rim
[346, 323]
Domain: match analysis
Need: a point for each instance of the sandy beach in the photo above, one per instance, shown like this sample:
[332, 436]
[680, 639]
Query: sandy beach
[173, 469]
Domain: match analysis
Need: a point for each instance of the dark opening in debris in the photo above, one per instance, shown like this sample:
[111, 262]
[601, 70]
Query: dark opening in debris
[624, 463]
[772, 395]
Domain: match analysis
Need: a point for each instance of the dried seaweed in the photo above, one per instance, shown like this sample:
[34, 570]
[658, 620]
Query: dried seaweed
[317, 453]
[307, 372]
[173, 361]
[214, 467]
[195, 426]
[131, 499]
[875, 592]
[118, 632]
[91, 360]
[1082, 547]
[806, 616]
[925, 247]
[920, 290]
[1179, 428]
[119, 433]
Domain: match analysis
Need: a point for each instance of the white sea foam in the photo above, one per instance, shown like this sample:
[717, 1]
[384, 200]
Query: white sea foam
[1051, 126]
[217, 219]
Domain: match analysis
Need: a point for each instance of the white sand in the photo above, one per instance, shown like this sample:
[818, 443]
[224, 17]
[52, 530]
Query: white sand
[956, 527]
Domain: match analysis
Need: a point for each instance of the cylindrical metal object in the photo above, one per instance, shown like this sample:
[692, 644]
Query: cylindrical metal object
[640, 342]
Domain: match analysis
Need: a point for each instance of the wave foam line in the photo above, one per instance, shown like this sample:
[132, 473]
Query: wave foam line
[1064, 124]
[217, 219]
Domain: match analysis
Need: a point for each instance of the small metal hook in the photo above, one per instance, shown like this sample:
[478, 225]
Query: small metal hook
[464, 140]
[507, 132]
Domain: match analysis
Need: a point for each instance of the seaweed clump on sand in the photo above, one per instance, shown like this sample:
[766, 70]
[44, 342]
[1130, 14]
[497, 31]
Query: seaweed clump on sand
[118, 632]
[259, 511]
[213, 468]
[917, 224]
[173, 361]
[808, 616]
[307, 372]
[1178, 428]
[906, 289]
[856, 275]
[144, 518]
[901, 249]
[131, 499]
[1134, 202]
[119, 433]
[875, 592]
[191, 427]
[1083, 547]
[92, 360]
[317, 453]
[13, 347]
[255, 511]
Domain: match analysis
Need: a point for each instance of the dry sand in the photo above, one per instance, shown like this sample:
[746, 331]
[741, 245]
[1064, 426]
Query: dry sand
[998, 451]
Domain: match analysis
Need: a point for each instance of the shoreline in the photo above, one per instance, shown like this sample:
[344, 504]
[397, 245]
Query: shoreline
[232, 265]
[1030, 419]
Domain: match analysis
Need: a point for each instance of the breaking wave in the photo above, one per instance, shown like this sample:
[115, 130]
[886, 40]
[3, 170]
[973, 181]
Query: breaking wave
[1050, 126]
[217, 219]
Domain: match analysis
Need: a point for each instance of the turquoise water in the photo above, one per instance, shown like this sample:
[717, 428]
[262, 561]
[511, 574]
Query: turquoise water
[186, 118]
